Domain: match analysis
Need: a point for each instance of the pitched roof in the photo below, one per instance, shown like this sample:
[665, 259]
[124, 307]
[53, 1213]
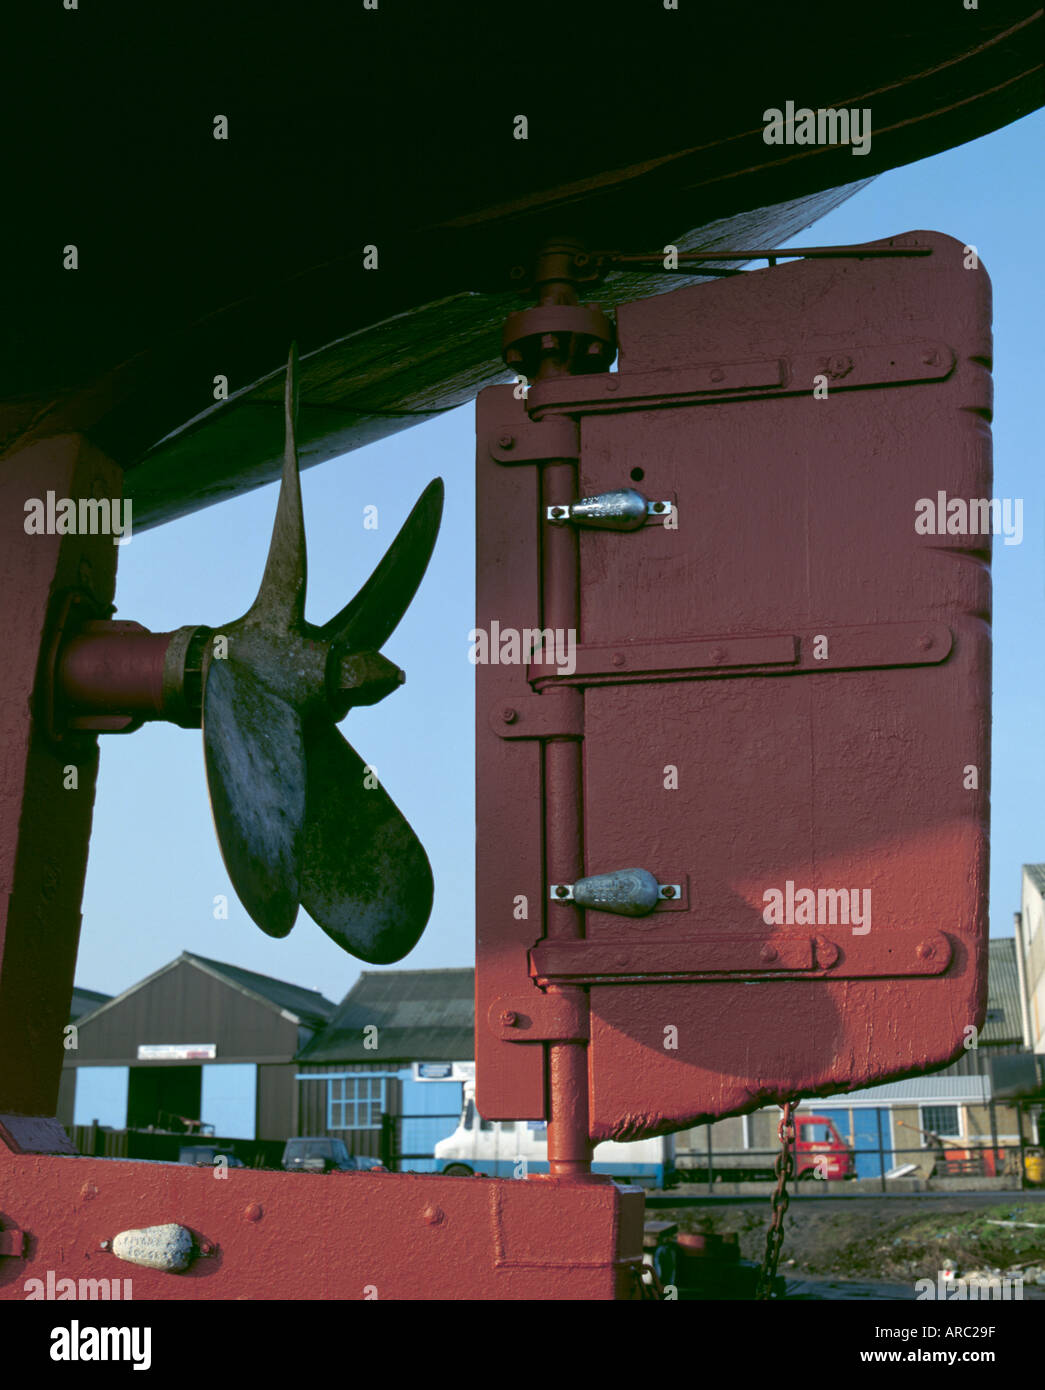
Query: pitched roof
[1004, 1018]
[308, 1005]
[421, 1016]
[1036, 874]
[947, 1090]
[85, 1001]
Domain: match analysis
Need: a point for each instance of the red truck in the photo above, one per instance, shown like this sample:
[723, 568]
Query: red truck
[820, 1151]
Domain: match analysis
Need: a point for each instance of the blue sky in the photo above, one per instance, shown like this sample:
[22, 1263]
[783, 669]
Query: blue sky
[155, 868]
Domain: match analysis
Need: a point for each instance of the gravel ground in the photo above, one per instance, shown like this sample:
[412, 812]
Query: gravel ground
[889, 1241]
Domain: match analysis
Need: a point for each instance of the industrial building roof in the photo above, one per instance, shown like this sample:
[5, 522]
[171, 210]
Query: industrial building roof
[306, 1004]
[421, 1016]
[85, 1001]
[1004, 1017]
[1036, 874]
[949, 1090]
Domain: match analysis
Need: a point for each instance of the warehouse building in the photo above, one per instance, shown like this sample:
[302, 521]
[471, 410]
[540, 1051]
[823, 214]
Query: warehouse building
[387, 1073]
[197, 1043]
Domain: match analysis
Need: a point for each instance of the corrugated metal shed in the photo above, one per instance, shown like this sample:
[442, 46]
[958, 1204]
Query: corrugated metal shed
[306, 1005]
[421, 1015]
[1003, 991]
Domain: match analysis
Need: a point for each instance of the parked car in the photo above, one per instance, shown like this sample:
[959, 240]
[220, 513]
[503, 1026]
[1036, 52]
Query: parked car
[314, 1154]
[206, 1155]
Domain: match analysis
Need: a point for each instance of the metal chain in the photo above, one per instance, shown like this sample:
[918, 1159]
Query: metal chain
[784, 1169]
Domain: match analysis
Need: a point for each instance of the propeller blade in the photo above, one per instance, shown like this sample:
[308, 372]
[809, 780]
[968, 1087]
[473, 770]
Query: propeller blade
[255, 754]
[373, 615]
[365, 878]
[280, 602]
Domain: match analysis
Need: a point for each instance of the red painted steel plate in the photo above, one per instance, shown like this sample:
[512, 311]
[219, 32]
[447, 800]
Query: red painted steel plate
[796, 516]
[350, 1236]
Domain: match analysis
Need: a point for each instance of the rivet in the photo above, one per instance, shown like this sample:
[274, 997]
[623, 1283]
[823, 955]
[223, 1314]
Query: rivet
[509, 1018]
[562, 891]
[717, 374]
[926, 950]
[612, 384]
[253, 1212]
[617, 658]
[717, 654]
[509, 715]
[925, 641]
[432, 1216]
[768, 953]
[506, 441]
[88, 1192]
[560, 511]
[658, 506]
[667, 891]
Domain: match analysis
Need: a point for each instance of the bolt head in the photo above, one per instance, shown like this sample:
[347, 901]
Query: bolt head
[562, 891]
[506, 441]
[509, 715]
[667, 891]
[509, 1018]
[826, 952]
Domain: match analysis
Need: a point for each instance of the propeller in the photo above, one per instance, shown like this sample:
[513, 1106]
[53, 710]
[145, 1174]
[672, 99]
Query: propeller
[300, 818]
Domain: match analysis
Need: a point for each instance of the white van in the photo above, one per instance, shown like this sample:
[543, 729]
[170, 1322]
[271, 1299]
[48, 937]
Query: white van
[515, 1148]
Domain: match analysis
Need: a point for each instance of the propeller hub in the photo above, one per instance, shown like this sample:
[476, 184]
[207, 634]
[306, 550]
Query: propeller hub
[360, 678]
